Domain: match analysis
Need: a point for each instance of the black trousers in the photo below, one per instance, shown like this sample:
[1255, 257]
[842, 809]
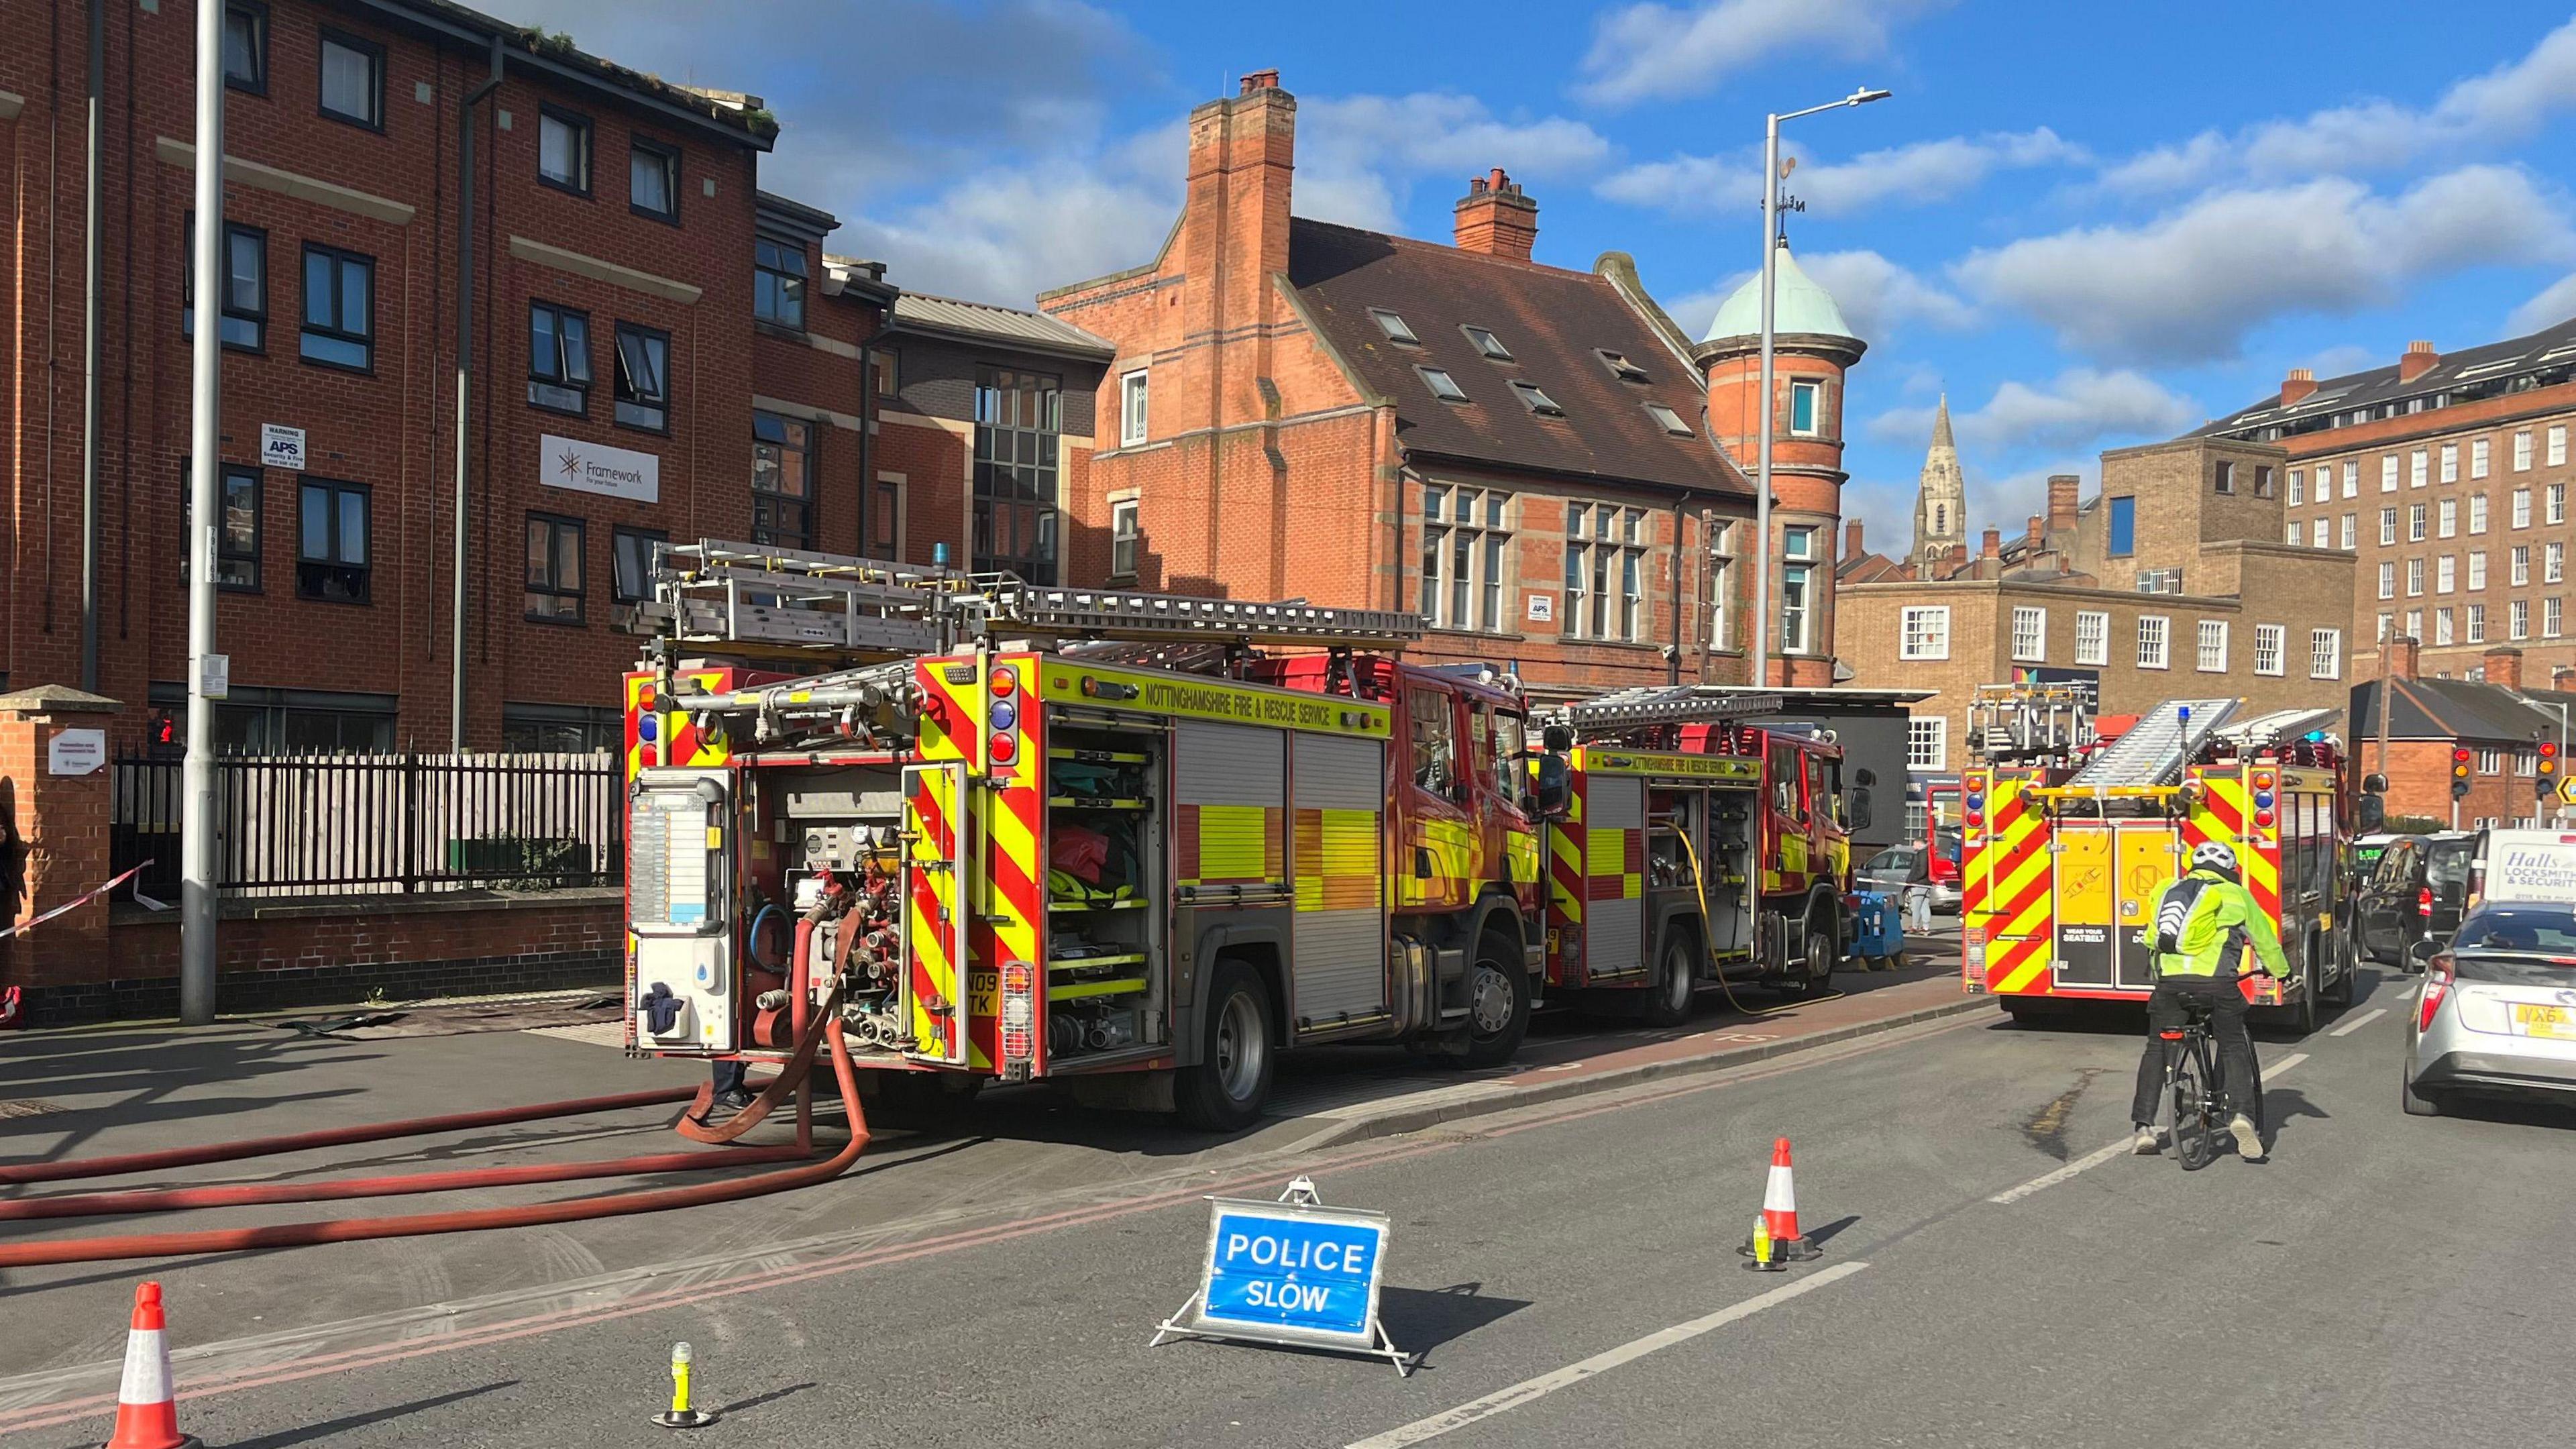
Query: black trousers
[729, 1076]
[2236, 1064]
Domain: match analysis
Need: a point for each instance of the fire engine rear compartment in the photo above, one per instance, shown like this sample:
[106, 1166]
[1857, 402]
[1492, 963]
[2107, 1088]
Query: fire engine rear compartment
[1640, 845]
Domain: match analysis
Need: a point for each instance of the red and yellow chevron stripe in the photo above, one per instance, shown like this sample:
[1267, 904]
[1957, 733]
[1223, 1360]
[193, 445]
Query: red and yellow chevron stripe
[2010, 876]
[936, 988]
[1565, 887]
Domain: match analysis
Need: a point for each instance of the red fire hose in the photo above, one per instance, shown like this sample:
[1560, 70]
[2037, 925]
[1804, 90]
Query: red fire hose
[825, 1026]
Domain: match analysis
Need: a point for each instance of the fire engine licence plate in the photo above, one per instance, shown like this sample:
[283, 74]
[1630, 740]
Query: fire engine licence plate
[2549, 1021]
[983, 993]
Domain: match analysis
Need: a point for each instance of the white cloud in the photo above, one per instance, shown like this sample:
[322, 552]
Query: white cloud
[2555, 304]
[1358, 156]
[2077, 409]
[1650, 51]
[1004, 235]
[1877, 297]
[1922, 173]
[2189, 285]
[2506, 104]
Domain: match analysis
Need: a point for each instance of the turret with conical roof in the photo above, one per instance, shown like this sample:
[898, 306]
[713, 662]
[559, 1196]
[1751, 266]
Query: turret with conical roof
[1941, 499]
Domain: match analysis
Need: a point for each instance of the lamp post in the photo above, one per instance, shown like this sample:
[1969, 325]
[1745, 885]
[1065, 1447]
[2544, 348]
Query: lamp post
[1770, 278]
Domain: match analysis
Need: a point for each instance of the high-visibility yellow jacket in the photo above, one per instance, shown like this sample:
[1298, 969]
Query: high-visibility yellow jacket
[2223, 915]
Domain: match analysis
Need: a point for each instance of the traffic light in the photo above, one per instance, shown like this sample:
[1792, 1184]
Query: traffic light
[2547, 784]
[2459, 774]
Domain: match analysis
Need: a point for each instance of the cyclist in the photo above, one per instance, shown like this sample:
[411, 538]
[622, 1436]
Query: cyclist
[2203, 923]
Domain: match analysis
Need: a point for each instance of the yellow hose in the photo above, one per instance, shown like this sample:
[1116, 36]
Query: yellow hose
[1699, 886]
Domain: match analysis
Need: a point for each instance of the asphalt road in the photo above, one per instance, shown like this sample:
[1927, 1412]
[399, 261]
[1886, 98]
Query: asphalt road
[1569, 1273]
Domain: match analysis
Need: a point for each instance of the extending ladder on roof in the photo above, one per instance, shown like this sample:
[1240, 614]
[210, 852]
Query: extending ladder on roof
[2155, 749]
[1672, 704]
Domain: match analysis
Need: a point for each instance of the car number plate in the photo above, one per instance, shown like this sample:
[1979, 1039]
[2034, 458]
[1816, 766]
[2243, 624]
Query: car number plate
[2556, 1022]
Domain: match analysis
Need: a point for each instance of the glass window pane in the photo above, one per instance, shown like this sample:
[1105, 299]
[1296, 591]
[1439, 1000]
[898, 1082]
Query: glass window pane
[353, 528]
[314, 536]
[540, 558]
[354, 280]
[348, 82]
[317, 290]
[247, 288]
[241, 512]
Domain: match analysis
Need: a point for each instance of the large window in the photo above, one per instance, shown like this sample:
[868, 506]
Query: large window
[2029, 634]
[2124, 528]
[2388, 473]
[1797, 588]
[1465, 544]
[643, 378]
[2478, 513]
[2447, 518]
[2325, 653]
[2477, 623]
[332, 547]
[2414, 523]
[2522, 451]
[2521, 564]
[2553, 563]
[237, 542]
[2388, 578]
[2445, 574]
[2522, 508]
[2414, 578]
[636, 549]
[2418, 468]
[2153, 641]
[554, 569]
[2478, 450]
[1604, 571]
[2269, 640]
[563, 149]
[245, 299]
[2092, 637]
[339, 308]
[1806, 409]
[782, 481]
[2351, 477]
[1131, 408]
[1927, 743]
[2443, 625]
[1924, 632]
[561, 729]
[246, 47]
[2450, 462]
[2387, 526]
[558, 358]
[2552, 617]
[653, 180]
[2213, 646]
[778, 282]
[353, 80]
[2557, 444]
[1019, 417]
[2224, 477]
[2518, 619]
[2344, 532]
[1122, 539]
[2555, 504]
[2477, 570]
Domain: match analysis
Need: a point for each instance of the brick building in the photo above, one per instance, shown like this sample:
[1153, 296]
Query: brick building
[1520, 452]
[2446, 477]
[2499, 720]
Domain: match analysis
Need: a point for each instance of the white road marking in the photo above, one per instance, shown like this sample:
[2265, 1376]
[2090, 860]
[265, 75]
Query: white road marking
[1574, 1373]
[2096, 1158]
[2358, 1022]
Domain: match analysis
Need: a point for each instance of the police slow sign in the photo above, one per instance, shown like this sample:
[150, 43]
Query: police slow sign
[1291, 1272]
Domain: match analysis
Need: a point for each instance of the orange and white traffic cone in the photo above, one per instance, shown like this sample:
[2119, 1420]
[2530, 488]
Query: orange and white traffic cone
[147, 1417]
[1776, 1241]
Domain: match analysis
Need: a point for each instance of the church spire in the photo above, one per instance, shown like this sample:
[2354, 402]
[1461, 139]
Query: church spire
[1941, 428]
[1941, 501]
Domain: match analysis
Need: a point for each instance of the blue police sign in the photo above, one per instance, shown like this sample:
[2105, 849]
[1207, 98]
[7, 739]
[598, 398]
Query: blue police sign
[1290, 1272]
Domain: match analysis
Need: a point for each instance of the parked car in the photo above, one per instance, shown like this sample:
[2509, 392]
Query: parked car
[1899, 866]
[2496, 1012]
[2410, 902]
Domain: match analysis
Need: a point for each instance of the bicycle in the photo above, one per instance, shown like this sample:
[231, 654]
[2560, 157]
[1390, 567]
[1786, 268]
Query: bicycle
[2195, 1086]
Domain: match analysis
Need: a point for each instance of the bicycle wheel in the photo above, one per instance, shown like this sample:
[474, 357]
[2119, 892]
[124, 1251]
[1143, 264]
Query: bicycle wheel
[2194, 1134]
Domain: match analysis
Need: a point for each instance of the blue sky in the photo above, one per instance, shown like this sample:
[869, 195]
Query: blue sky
[2092, 225]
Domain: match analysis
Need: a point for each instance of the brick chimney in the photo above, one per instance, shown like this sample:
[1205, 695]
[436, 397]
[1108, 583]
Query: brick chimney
[2403, 653]
[1495, 218]
[2504, 666]
[1233, 235]
[2063, 500]
[2038, 532]
[1851, 539]
[2562, 676]
[2419, 360]
[1994, 543]
[2297, 385]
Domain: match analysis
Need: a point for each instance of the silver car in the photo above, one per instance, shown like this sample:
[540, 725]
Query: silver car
[2495, 1014]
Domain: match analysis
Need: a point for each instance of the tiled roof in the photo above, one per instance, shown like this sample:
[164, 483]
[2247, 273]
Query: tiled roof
[1554, 323]
[2549, 353]
[917, 312]
[2452, 709]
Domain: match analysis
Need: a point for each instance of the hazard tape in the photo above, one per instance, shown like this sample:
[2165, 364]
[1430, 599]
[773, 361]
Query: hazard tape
[75, 903]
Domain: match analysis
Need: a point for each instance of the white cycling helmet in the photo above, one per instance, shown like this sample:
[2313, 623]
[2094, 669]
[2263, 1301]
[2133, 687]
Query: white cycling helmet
[2215, 855]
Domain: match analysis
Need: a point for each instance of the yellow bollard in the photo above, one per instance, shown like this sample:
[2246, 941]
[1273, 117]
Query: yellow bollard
[681, 1415]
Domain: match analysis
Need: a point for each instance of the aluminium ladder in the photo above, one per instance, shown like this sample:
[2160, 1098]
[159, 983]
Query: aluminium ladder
[2155, 749]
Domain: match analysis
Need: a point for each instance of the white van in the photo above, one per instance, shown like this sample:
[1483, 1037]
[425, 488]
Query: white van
[2524, 865]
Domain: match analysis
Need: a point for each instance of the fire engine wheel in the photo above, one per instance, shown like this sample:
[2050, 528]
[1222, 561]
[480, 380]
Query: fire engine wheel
[2302, 1018]
[2348, 971]
[1670, 1002]
[1225, 1090]
[1819, 947]
[1498, 1005]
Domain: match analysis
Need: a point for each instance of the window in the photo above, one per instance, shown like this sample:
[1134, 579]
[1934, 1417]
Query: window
[2351, 477]
[1535, 398]
[1806, 409]
[2522, 508]
[2522, 451]
[237, 542]
[2477, 623]
[245, 299]
[554, 569]
[2268, 639]
[1434, 743]
[1397, 330]
[1122, 539]
[2388, 578]
[1619, 365]
[558, 359]
[2029, 634]
[563, 150]
[2213, 646]
[2387, 622]
[2092, 637]
[2388, 474]
[636, 551]
[1927, 743]
[2414, 523]
[1019, 421]
[2444, 577]
[1797, 588]
[2318, 536]
[1487, 343]
[643, 377]
[653, 180]
[1926, 633]
[782, 480]
[1131, 408]
[1668, 420]
[353, 80]
[561, 729]
[2415, 624]
[2526, 763]
[887, 367]
[2224, 479]
[2123, 541]
[778, 282]
[2414, 578]
[2152, 641]
[331, 542]
[246, 48]
[2160, 581]
[2557, 444]
[2449, 515]
[2325, 653]
[2553, 563]
[2521, 564]
[2344, 533]
[1442, 385]
[339, 308]
[885, 517]
[2417, 465]
[1465, 544]
[2478, 457]
[2477, 513]
[2387, 526]
[2450, 462]
[2550, 617]
[2556, 511]
[1604, 571]
[2477, 570]
[2490, 762]
[2291, 533]
[2442, 625]
[2262, 480]
[2299, 487]
[2518, 619]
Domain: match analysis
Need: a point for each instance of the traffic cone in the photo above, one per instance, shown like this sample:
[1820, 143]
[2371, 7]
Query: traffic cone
[1778, 1241]
[146, 1416]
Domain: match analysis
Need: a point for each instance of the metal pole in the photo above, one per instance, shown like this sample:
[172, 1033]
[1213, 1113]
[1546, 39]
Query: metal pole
[1762, 420]
[205, 490]
[89, 350]
[464, 387]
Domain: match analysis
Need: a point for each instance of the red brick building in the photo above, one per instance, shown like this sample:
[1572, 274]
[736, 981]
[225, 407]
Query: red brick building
[2498, 718]
[1520, 452]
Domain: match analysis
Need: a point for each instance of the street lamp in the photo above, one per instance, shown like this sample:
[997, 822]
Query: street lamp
[1770, 277]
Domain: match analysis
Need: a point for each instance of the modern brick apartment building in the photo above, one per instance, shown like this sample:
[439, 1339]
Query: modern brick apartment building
[2446, 477]
[1520, 452]
[2500, 719]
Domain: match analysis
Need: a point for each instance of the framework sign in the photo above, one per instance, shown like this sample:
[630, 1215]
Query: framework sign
[1292, 1272]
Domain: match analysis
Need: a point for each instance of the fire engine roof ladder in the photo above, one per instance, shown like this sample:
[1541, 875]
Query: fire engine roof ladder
[1671, 704]
[2155, 749]
[2266, 731]
[2031, 721]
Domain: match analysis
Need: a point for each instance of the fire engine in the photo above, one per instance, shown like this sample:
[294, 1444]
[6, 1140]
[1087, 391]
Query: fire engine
[2070, 839]
[1683, 846]
[1137, 843]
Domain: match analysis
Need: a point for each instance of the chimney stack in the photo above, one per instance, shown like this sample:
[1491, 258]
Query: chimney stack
[2403, 654]
[1495, 218]
[2562, 677]
[2038, 532]
[1851, 539]
[1259, 80]
[2063, 500]
[2419, 360]
[2504, 666]
[1994, 542]
[2297, 386]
